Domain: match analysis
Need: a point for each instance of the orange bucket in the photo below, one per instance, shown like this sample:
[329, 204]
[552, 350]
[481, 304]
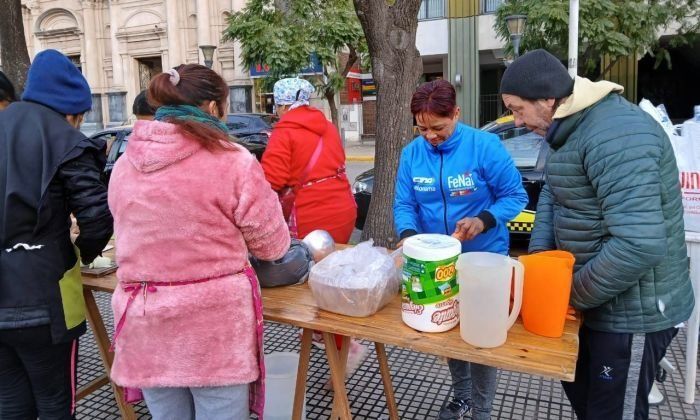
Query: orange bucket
[546, 290]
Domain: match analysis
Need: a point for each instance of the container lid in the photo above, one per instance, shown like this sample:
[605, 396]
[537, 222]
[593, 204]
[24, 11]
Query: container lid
[431, 247]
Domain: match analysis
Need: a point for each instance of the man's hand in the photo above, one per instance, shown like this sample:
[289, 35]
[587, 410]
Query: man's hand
[74, 230]
[571, 313]
[467, 228]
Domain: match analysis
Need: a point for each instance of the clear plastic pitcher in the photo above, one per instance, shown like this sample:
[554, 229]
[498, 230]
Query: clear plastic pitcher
[484, 297]
[281, 379]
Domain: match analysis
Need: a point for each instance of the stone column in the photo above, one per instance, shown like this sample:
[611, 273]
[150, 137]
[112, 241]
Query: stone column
[203, 26]
[90, 54]
[117, 68]
[463, 58]
[175, 42]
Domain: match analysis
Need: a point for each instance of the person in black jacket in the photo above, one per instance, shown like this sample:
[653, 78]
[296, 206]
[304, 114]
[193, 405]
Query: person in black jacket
[49, 170]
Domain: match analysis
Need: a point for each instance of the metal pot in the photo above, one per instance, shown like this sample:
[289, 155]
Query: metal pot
[320, 243]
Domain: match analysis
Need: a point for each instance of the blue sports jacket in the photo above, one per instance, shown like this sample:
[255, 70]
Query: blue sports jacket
[468, 174]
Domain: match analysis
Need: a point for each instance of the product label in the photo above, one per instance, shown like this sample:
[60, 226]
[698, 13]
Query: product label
[427, 282]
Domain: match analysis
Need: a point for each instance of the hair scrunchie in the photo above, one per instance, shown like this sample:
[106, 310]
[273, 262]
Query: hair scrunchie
[174, 76]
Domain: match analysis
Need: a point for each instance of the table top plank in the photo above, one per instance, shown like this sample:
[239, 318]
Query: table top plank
[522, 352]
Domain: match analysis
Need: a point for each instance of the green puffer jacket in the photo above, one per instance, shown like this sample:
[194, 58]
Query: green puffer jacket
[613, 199]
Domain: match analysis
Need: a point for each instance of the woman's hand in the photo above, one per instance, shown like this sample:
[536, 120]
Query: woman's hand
[467, 228]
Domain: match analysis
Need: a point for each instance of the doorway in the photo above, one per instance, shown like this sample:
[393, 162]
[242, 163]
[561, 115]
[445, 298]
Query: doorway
[148, 68]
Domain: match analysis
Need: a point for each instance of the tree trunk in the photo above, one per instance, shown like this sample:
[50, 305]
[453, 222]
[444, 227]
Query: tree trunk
[330, 97]
[13, 46]
[390, 29]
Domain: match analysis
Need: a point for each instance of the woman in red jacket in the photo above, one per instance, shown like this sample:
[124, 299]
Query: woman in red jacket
[305, 153]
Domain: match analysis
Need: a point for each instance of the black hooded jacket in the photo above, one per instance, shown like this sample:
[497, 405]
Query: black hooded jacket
[48, 170]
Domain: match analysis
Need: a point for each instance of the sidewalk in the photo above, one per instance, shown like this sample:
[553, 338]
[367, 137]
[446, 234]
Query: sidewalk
[421, 384]
[356, 151]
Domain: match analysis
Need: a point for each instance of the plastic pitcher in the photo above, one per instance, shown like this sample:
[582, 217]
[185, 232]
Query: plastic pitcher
[546, 291]
[484, 297]
[280, 383]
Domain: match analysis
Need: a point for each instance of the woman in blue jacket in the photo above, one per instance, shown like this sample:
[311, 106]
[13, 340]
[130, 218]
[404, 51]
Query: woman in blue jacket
[458, 181]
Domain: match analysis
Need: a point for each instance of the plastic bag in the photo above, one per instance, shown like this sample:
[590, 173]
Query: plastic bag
[686, 148]
[292, 268]
[356, 281]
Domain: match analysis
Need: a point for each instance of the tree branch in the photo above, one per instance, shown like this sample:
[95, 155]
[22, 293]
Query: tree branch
[352, 59]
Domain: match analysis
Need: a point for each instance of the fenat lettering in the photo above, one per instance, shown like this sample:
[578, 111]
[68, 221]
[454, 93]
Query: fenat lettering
[460, 181]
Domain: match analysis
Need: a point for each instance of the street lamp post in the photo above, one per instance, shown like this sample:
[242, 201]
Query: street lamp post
[208, 53]
[516, 29]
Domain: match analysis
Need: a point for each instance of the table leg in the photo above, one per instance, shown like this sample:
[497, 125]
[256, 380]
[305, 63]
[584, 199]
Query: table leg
[691, 344]
[344, 350]
[337, 377]
[304, 358]
[386, 379]
[103, 343]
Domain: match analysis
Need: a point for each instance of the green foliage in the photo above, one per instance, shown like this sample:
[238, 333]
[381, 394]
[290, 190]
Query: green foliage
[614, 28]
[284, 37]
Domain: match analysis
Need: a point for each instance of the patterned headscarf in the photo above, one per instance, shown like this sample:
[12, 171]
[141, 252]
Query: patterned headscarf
[293, 91]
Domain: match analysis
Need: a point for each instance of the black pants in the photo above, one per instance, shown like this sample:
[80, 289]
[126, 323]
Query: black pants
[615, 372]
[37, 378]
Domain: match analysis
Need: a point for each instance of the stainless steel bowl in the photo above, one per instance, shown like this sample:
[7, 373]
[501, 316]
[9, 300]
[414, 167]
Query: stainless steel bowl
[320, 243]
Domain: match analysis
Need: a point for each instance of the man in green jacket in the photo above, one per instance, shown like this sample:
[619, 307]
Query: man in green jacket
[612, 198]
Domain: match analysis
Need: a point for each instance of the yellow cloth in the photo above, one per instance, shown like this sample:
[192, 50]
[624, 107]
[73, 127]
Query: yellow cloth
[71, 286]
[586, 93]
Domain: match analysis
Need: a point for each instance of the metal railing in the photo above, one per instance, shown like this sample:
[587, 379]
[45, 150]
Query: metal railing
[490, 108]
[490, 6]
[432, 9]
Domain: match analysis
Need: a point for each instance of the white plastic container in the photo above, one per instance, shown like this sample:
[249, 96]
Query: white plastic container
[429, 289]
[485, 282]
[281, 379]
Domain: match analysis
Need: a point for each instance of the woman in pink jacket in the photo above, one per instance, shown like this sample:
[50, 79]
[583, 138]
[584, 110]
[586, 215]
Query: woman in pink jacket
[188, 207]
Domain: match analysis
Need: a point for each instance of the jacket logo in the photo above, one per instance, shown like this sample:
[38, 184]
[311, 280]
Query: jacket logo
[460, 181]
[462, 184]
[605, 373]
[424, 184]
[423, 180]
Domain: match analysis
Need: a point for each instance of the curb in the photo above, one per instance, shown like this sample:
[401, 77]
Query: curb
[366, 158]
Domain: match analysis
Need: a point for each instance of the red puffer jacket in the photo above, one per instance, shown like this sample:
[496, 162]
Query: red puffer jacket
[327, 205]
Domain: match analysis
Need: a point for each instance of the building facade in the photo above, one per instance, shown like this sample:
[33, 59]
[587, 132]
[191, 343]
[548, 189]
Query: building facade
[120, 44]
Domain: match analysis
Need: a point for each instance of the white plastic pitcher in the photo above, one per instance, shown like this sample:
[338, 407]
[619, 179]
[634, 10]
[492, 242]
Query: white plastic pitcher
[281, 380]
[484, 297]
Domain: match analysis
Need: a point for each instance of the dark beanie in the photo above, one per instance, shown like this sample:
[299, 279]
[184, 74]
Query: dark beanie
[55, 82]
[537, 75]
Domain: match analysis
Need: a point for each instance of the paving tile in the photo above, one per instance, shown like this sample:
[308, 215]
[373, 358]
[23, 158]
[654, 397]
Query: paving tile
[421, 383]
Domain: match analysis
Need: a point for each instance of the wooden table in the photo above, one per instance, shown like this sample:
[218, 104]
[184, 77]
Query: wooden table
[294, 305]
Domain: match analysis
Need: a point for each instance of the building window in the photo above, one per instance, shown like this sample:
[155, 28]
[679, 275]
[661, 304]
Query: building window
[75, 59]
[240, 99]
[432, 9]
[490, 6]
[149, 67]
[117, 107]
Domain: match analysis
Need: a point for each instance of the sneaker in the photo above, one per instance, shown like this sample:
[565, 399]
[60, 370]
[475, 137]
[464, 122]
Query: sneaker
[454, 410]
[356, 354]
[316, 339]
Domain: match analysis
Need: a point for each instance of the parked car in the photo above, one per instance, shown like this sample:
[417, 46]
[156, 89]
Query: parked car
[529, 152]
[117, 139]
[251, 128]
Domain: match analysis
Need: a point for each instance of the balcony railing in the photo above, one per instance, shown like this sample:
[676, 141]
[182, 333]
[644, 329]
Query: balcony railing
[432, 9]
[490, 6]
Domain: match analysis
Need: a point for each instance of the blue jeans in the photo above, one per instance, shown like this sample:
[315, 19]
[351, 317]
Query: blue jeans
[476, 384]
[205, 403]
